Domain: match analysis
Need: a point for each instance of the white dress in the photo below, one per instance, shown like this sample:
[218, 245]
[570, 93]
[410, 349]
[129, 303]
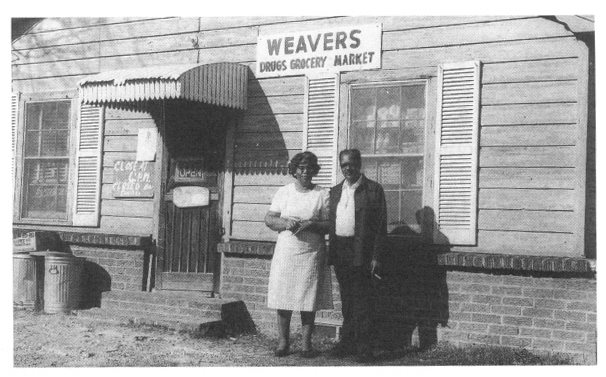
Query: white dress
[299, 278]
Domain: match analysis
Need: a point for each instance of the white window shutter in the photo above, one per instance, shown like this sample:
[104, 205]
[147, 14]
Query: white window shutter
[88, 165]
[14, 125]
[321, 125]
[456, 180]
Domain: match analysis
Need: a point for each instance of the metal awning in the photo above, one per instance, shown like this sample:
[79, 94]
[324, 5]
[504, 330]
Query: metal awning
[221, 84]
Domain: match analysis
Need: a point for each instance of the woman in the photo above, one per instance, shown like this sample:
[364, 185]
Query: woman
[299, 278]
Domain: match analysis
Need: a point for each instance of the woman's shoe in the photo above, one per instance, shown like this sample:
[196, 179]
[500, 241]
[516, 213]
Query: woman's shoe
[281, 352]
[309, 354]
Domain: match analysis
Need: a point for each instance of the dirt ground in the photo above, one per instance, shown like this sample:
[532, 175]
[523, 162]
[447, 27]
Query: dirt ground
[58, 340]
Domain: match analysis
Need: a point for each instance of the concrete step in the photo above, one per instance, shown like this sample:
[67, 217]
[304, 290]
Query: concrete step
[191, 311]
[203, 326]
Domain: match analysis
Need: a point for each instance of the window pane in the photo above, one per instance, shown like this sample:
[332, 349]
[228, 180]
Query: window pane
[388, 103]
[412, 172]
[54, 143]
[392, 199]
[369, 167]
[413, 101]
[388, 134]
[392, 142]
[32, 144]
[412, 201]
[55, 115]
[363, 136]
[363, 104]
[32, 117]
[389, 175]
[46, 180]
[413, 136]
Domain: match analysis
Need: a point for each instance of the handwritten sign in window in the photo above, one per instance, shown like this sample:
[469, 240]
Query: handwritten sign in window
[133, 179]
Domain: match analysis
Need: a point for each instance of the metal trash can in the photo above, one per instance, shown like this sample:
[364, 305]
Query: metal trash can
[62, 282]
[28, 281]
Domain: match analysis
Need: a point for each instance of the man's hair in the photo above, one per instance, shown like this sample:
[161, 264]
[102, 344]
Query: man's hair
[301, 157]
[353, 153]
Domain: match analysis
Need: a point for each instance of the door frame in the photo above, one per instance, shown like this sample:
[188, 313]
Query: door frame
[224, 178]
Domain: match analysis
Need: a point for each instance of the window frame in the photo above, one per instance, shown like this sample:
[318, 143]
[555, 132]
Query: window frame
[18, 199]
[428, 78]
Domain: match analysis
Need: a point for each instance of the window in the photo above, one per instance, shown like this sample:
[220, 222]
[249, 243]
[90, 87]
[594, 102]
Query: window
[46, 160]
[387, 124]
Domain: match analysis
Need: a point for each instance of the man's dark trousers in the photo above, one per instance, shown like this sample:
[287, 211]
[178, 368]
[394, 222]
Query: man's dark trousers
[356, 289]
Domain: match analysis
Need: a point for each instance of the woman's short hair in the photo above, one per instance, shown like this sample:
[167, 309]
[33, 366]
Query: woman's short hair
[299, 158]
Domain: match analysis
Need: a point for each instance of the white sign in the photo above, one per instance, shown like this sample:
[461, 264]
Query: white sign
[146, 144]
[346, 48]
[190, 196]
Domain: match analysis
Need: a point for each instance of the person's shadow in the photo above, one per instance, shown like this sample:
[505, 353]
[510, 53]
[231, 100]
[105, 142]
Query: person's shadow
[412, 294]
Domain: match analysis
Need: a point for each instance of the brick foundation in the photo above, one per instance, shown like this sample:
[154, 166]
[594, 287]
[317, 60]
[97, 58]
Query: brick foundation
[110, 269]
[422, 304]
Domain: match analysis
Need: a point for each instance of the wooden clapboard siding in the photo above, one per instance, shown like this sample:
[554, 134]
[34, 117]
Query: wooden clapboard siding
[547, 178]
[548, 113]
[505, 51]
[457, 35]
[555, 157]
[529, 92]
[270, 122]
[254, 194]
[127, 208]
[93, 65]
[245, 155]
[113, 114]
[279, 86]
[249, 212]
[530, 71]
[524, 243]
[120, 143]
[526, 221]
[529, 111]
[261, 179]
[127, 127]
[526, 199]
[213, 23]
[389, 23]
[252, 230]
[275, 105]
[269, 141]
[537, 135]
[109, 158]
[126, 225]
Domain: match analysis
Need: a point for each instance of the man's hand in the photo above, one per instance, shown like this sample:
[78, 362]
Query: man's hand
[375, 265]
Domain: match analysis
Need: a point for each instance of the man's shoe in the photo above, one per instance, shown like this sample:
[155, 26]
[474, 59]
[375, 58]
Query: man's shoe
[341, 350]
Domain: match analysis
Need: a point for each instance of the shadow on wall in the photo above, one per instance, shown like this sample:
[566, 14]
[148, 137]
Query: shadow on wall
[95, 280]
[413, 293]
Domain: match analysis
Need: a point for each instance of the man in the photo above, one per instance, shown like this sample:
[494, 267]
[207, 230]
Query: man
[358, 233]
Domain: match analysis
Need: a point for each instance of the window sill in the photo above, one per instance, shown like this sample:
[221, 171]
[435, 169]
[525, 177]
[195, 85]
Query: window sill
[97, 239]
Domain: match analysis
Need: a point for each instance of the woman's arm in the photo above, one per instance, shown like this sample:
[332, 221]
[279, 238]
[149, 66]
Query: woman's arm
[317, 226]
[279, 224]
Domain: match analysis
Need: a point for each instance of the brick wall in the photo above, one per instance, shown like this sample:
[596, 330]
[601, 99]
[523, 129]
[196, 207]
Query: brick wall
[422, 304]
[110, 269]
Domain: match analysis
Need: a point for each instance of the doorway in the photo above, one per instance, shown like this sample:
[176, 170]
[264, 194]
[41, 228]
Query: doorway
[193, 161]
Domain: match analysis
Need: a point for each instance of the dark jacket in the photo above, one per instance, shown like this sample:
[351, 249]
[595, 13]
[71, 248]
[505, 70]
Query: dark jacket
[371, 222]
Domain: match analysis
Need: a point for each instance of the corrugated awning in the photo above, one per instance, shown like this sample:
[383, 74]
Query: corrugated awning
[221, 84]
